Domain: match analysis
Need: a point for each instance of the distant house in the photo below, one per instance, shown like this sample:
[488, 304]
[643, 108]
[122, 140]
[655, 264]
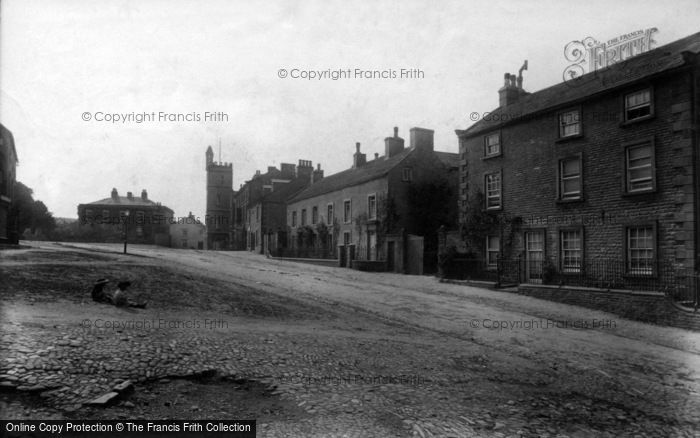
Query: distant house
[8, 177]
[257, 213]
[411, 190]
[188, 233]
[145, 221]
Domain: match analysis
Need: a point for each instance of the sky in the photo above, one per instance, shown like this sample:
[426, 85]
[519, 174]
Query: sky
[66, 66]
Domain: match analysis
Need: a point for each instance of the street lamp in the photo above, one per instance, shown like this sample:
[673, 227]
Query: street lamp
[126, 227]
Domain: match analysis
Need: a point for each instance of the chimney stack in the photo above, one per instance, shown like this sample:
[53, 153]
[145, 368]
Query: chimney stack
[317, 175]
[304, 169]
[512, 88]
[288, 170]
[359, 159]
[376, 155]
[271, 169]
[393, 145]
[144, 195]
[115, 195]
[130, 196]
[422, 139]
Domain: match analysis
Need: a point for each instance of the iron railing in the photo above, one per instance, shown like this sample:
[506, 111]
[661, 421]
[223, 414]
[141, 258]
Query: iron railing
[681, 284]
[306, 253]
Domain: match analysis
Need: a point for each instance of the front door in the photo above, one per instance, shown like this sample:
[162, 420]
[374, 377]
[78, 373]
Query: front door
[371, 245]
[534, 256]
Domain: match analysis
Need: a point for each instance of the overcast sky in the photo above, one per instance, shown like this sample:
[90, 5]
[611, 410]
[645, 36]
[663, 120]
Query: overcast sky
[61, 59]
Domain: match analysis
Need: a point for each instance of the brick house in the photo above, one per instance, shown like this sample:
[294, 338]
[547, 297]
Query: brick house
[258, 213]
[8, 176]
[146, 221]
[360, 206]
[604, 168]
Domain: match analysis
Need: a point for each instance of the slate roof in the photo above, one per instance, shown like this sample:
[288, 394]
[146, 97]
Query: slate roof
[136, 201]
[370, 171]
[449, 159]
[286, 191]
[644, 65]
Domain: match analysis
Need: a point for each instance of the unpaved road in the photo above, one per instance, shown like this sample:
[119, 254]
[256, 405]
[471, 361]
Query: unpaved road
[364, 354]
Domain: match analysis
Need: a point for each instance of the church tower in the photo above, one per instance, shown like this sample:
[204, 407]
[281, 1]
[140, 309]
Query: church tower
[219, 219]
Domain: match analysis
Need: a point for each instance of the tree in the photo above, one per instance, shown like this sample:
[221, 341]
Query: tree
[31, 214]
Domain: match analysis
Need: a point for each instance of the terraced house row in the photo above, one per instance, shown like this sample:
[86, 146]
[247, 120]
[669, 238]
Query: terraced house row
[602, 169]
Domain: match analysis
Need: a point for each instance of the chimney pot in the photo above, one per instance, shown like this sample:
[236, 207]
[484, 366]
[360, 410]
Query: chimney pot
[396, 131]
[376, 155]
[357, 146]
[115, 194]
[144, 195]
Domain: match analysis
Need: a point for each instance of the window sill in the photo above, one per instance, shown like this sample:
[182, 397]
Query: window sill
[637, 120]
[570, 200]
[639, 193]
[488, 157]
[568, 138]
[495, 209]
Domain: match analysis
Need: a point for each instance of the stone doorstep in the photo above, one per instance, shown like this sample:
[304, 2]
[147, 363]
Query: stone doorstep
[119, 392]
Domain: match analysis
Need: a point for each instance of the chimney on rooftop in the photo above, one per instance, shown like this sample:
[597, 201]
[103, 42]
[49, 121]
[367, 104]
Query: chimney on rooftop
[393, 145]
[130, 196]
[144, 195]
[304, 169]
[115, 195]
[271, 169]
[512, 88]
[317, 174]
[288, 170]
[422, 139]
[358, 159]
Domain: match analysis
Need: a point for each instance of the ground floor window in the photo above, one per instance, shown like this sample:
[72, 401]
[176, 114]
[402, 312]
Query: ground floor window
[571, 251]
[493, 248]
[347, 237]
[640, 250]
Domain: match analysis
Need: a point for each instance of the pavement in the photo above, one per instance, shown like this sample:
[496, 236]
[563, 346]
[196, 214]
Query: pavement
[353, 353]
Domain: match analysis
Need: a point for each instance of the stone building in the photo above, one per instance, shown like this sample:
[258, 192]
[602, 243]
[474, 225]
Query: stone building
[188, 233]
[363, 205]
[603, 168]
[257, 212]
[144, 220]
[219, 217]
[8, 177]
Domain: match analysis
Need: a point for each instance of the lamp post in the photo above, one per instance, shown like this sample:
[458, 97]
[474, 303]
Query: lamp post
[126, 227]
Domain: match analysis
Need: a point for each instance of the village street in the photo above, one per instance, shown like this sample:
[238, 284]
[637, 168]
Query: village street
[320, 351]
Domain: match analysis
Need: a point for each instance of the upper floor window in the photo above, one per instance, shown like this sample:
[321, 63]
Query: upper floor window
[294, 218]
[372, 206]
[638, 105]
[105, 214]
[303, 217]
[89, 214]
[492, 144]
[314, 215]
[493, 190]
[347, 211]
[407, 174]
[639, 165]
[569, 124]
[570, 178]
[329, 214]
